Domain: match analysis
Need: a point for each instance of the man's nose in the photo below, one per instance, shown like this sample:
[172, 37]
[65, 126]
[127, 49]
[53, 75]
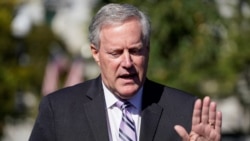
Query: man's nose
[127, 60]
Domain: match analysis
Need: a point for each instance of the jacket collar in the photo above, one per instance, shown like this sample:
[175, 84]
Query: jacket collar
[151, 111]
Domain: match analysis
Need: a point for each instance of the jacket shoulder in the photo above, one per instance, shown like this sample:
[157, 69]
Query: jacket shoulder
[76, 92]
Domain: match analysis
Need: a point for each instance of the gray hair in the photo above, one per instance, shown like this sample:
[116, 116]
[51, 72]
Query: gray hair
[117, 13]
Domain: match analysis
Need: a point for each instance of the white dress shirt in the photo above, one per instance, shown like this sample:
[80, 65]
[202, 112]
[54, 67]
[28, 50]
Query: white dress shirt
[114, 114]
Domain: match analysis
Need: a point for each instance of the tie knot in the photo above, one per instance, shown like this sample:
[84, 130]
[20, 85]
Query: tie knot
[123, 104]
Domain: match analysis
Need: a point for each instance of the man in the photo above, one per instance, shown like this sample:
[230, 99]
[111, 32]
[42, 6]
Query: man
[91, 111]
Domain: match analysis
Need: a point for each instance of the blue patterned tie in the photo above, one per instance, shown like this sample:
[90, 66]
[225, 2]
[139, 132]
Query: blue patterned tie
[127, 131]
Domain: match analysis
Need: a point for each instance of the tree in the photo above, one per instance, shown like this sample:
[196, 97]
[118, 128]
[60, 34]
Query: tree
[22, 62]
[193, 47]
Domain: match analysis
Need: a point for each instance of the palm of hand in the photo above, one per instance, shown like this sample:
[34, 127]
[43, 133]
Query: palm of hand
[206, 123]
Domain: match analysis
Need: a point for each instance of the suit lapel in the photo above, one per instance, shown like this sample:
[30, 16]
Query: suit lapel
[149, 123]
[95, 111]
[151, 111]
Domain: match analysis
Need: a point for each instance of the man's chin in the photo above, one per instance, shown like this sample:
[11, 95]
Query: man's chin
[128, 92]
[126, 96]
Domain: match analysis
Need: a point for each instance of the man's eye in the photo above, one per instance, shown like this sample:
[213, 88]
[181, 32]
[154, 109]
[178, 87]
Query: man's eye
[115, 54]
[136, 51]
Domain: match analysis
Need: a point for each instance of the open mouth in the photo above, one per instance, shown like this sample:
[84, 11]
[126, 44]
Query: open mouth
[128, 76]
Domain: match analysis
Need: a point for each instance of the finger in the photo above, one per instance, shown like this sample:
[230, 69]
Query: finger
[205, 110]
[182, 132]
[212, 114]
[218, 122]
[197, 112]
[218, 125]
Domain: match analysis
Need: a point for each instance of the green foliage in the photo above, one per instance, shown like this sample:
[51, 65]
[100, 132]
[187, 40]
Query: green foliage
[193, 48]
[6, 98]
[186, 45]
[22, 63]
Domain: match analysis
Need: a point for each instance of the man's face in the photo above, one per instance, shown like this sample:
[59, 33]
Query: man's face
[122, 58]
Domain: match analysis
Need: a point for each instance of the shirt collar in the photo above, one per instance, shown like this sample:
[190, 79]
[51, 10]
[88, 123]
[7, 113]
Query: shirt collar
[111, 99]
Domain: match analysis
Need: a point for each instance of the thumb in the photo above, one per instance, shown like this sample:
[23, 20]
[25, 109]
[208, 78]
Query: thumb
[182, 132]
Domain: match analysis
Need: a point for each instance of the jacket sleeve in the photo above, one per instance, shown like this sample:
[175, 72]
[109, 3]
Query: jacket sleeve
[44, 127]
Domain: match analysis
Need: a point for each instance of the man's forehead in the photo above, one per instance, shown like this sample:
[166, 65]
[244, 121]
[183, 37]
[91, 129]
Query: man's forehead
[114, 23]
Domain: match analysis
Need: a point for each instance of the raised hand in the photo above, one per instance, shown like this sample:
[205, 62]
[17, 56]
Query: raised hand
[206, 123]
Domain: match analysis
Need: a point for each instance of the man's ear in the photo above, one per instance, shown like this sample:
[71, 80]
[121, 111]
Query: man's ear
[95, 53]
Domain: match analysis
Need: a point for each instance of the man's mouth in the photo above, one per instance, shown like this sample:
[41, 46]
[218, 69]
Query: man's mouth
[128, 76]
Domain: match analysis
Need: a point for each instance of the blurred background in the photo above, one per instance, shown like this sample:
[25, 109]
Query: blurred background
[200, 46]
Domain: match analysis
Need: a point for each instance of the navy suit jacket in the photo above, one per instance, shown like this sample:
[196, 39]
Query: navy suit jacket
[78, 113]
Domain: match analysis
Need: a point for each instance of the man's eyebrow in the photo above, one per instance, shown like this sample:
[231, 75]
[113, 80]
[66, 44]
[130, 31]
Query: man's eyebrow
[137, 45]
